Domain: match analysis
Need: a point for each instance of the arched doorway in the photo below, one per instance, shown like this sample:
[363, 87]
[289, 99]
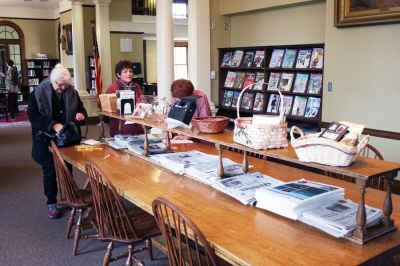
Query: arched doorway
[12, 46]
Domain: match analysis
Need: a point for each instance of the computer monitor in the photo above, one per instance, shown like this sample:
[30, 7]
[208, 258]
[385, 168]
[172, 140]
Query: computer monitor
[137, 68]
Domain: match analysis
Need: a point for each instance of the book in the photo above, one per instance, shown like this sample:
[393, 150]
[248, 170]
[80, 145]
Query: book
[273, 82]
[300, 83]
[143, 110]
[315, 84]
[248, 80]
[235, 98]
[289, 58]
[237, 58]
[243, 187]
[285, 83]
[126, 101]
[259, 102]
[273, 104]
[299, 106]
[259, 81]
[226, 59]
[313, 106]
[287, 103]
[276, 58]
[259, 58]
[247, 101]
[303, 58]
[335, 131]
[248, 59]
[239, 80]
[317, 58]
[292, 199]
[338, 218]
[230, 79]
[227, 100]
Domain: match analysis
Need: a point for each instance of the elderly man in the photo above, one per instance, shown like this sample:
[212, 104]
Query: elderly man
[52, 104]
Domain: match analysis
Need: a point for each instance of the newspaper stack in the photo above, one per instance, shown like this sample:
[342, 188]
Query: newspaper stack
[339, 218]
[243, 187]
[113, 144]
[294, 198]
[123, 140]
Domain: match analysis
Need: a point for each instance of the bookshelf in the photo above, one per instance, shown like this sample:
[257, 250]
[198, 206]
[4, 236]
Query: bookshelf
[296, 70]
[38, 70]
[91, 76]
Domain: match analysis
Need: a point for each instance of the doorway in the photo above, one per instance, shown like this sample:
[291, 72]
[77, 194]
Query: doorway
[4, 55]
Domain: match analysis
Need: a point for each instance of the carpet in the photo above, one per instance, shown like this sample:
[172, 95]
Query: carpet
[20, 118]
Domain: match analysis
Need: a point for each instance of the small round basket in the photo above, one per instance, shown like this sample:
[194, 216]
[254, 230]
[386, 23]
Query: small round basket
[210, 124]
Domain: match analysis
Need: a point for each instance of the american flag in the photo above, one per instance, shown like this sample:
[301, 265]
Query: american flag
[97, 66]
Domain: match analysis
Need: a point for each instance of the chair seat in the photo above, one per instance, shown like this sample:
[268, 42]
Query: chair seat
[85, 201]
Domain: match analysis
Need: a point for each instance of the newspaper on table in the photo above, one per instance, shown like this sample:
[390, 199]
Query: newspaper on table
[293, 198]
[112, 143]
[123, 140]
[243, 187]
[339, 218]
[154, 148]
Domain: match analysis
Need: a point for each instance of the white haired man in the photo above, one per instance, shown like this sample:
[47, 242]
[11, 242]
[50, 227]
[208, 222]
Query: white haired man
[52, 104]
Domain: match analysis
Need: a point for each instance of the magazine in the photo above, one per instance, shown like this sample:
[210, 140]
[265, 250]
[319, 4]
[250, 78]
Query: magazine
[259, 102]
[230, 79]
[287, 103]
[239, 80]
[273, 104]
[313, 106]
[259, 81]
[247, 101]
[300, 84]
[289, 58]
[258, 59]
[276, 58]
[338, 218]
[142, 110]
[303, 58]
[228, 95]
[292, 199]
[235, 98]
[273, 82]
[299, 106]
[248, 59]
[243, 187]
[227, 59]
[315, 84]
[286, 81]
[317, 58]
[248, 80]
[237, 58]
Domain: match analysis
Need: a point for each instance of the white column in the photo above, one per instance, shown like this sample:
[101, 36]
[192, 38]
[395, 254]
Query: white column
[199, 45]
[78, 48]
[165, 48]
[103, 40]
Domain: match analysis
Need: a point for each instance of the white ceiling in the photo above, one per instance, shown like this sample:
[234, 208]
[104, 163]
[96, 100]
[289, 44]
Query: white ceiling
[39, 4]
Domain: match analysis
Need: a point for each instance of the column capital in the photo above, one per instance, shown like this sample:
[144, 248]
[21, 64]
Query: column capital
[76, 2]
[102, 2]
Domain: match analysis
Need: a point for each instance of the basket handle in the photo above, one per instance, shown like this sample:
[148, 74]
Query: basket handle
[240, 98]
[363, 142]
[294, 128]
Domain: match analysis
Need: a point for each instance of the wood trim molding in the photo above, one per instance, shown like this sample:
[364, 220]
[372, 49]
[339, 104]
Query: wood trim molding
[48, 19]
[374, 132]
[127, 32]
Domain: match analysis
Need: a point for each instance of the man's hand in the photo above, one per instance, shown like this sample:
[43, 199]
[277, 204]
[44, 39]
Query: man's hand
[57, 127]
[79, 117]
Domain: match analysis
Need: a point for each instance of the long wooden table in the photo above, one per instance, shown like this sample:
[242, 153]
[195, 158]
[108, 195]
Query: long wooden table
[242, 235]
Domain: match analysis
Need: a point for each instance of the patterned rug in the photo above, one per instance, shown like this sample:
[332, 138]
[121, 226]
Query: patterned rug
[20, 118]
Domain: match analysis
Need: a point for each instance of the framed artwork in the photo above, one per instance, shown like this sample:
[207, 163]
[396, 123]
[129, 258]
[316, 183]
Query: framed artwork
[366, 12]
[66, 43]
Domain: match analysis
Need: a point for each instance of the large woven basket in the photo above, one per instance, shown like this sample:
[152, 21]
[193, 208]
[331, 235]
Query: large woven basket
[210, 124]
[312, 148]
[108, 102]
[259, 136]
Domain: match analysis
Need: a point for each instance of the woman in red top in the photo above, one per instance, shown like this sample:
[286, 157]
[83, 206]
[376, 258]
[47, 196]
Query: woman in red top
[124, 74]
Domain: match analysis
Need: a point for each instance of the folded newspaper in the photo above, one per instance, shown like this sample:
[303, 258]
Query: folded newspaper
[339, 218]
[293, 198]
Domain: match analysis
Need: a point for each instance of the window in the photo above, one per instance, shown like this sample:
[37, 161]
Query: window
[180, 62]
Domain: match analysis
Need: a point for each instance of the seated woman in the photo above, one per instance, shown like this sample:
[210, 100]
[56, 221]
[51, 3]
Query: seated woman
[124, 74]
[183, 88]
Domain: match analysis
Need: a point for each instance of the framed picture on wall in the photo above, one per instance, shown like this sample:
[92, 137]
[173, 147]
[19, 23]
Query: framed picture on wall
[361, 12]
[66, 43]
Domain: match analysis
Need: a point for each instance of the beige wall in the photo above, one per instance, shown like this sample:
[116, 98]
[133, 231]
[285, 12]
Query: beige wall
[137, 50]
[121, 10]
[151, 61]
[66, 60]
[34, 30]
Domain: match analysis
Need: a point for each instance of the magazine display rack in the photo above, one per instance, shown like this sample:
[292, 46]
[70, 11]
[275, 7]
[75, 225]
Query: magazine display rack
[295, 70]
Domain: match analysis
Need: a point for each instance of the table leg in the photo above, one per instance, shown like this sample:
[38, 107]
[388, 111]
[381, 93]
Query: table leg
[387, 204]
[167, 140]
[245, 165]
[360, 232]
[146, 142]
[220, 169]
[101, 127]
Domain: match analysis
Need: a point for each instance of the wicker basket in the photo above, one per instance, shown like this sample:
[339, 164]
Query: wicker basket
[108, 102]
[258, 136]
[210, 124]
[312, 148]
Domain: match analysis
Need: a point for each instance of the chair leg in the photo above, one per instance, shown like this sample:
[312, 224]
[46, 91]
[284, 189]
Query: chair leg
[70, 222]
[77, 232]
[129, 259]
[149, 245]
[108, 255]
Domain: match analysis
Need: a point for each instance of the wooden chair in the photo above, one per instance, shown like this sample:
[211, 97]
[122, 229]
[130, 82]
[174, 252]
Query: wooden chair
[114, 222]
[71, 196]
[182, 250]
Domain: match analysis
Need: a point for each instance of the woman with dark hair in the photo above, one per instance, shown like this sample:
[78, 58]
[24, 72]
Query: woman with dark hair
[124, 73]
